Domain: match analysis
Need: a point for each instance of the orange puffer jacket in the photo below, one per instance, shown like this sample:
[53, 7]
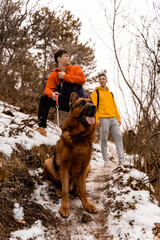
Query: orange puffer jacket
[73, 74]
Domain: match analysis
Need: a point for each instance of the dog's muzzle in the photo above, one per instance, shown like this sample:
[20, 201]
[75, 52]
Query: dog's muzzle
[88, 114]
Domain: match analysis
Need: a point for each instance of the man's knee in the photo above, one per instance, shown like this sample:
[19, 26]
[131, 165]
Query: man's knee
[118, 134]
[117, 137]
[43, 98]
[104, 141]
[46, 101]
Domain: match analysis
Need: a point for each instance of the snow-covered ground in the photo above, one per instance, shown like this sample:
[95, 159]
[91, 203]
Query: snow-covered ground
[131, 213]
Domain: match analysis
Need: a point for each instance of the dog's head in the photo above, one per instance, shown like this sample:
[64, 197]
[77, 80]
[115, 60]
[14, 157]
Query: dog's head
[82, 108]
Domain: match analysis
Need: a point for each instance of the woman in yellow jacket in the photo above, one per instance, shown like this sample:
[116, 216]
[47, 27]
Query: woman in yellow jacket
[107, 118]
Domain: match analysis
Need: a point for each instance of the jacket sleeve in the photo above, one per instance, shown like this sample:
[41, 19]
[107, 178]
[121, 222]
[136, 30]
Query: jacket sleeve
[51, 84]
[94, 100]
[76, 75]
[116, 110]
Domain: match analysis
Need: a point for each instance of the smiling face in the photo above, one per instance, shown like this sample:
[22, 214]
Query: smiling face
[103, 81]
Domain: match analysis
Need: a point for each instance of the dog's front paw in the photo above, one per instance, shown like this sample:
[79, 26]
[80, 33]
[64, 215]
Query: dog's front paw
[91, 208]
[67, 137]
[64, 211]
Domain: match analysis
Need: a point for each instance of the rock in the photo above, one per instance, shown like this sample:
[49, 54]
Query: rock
[86, 218]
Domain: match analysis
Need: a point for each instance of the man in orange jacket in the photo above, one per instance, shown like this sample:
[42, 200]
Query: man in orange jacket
[64, 80]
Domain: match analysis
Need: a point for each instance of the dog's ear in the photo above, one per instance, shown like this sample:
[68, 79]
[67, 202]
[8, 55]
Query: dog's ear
[73, 98]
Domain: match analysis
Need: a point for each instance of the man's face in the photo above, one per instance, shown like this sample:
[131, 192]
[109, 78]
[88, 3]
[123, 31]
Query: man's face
[102, 81]
[64, 59]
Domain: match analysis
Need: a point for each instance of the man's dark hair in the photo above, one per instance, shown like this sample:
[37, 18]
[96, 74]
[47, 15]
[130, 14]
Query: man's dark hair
[102, 74]
[59, 53]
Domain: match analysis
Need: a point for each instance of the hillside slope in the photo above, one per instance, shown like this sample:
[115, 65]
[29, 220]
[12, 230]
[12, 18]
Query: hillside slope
[29, 206]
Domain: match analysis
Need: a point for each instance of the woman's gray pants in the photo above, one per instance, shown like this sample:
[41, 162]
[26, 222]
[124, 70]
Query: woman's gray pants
[111, 125]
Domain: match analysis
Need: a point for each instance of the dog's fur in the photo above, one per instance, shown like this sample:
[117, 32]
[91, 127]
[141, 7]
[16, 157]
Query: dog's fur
[71, 162]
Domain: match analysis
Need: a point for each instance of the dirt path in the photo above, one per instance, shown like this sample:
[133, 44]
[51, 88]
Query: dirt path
[97, 186]
[81, 225]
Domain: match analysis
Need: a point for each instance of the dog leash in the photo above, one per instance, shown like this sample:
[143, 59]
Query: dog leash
[57, 106]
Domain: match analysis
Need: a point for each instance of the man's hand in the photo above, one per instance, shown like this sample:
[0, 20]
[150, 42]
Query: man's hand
[119, 123]
[54, 95]
[61, 75]
[98, 124]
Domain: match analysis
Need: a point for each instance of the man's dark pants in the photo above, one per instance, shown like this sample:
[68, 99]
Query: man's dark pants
[46, 103]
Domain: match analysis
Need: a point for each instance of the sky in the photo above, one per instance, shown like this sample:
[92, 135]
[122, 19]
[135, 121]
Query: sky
[135, 221]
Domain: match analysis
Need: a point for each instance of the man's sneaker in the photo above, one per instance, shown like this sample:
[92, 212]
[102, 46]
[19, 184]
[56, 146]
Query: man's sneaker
[42, 131]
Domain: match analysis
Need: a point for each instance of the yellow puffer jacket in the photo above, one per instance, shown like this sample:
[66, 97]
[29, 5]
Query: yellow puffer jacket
[107, 107]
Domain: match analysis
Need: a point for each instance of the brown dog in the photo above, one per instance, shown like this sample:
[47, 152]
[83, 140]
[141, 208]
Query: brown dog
[70, 165]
